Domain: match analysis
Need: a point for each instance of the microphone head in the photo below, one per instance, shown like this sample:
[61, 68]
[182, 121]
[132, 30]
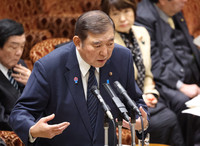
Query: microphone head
[119, 87]
[109, 90]
[94, 89]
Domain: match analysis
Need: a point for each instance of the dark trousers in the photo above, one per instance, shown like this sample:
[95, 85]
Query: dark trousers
[164, 126]
[190, 125]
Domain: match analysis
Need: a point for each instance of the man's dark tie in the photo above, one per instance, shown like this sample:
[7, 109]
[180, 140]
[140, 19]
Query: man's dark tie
[11, 79]
[92, 102]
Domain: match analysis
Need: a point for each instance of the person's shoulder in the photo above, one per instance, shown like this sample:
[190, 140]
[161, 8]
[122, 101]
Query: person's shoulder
[146, 12]
[61, 51]
[120, 50]
[140, 29]
[65, 46]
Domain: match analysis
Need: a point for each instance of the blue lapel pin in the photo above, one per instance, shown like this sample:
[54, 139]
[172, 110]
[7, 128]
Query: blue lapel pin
[107, 81]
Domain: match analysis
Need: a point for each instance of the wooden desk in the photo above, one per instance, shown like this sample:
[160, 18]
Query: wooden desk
[151, 144]
[158, 145]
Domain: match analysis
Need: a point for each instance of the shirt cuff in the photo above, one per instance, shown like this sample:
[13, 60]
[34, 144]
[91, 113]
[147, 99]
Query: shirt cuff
[179, 84]
[31, 138]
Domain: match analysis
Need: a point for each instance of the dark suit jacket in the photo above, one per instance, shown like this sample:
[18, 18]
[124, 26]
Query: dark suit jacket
[8, 97]
[51, 89]
[167, 66]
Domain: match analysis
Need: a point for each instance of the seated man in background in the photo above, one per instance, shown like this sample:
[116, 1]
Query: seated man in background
[175, 59]
[13, 74]
[164, 127]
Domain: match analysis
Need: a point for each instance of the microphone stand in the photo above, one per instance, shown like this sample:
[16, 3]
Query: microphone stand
[120, 131]
[133, 127]
[106, 127]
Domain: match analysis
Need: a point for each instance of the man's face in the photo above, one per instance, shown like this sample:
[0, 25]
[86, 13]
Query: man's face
[123, 19]
[171, 7]
[96, 49]
[12, 51]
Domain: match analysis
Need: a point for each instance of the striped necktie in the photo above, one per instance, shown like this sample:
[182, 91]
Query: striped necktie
[11, 79]
[92, 102]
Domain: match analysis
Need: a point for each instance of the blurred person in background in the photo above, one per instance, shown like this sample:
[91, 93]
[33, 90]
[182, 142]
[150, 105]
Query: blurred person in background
[175, 59]
[13, 72]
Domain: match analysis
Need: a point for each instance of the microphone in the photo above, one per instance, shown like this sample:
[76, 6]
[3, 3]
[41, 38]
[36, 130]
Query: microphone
[123, 92]
[96, 92]
[117, 101]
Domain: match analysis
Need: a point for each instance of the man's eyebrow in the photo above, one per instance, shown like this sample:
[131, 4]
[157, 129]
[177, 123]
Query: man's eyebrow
[111, 39]
[98, 42]
[15, 43]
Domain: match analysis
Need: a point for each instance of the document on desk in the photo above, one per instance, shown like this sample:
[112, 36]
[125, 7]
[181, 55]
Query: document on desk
[196, 41]
[193, 105]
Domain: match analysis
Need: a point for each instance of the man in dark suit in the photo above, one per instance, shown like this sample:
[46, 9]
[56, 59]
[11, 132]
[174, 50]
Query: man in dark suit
[12, 41]
[175, 59]
[58, 85]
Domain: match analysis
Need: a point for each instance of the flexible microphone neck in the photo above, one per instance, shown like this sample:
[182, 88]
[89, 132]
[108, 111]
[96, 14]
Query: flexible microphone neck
[123, 92]
[117, 101]
[106, 108]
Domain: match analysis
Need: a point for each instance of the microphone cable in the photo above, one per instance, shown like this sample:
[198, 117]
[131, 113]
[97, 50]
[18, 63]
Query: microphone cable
[114, 132]
[142, 124]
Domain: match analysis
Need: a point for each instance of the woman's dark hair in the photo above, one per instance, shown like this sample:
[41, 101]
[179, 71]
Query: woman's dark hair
[9, 28]
[94, 21]
[107, 5]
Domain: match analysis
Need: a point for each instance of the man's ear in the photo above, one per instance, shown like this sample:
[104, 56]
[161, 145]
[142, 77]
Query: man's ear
[77, 41]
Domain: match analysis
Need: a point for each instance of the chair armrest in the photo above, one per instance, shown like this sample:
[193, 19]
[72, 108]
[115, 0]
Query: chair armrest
[10, 138]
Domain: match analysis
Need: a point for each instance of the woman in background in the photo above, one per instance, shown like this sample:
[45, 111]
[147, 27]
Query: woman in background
[164, 127]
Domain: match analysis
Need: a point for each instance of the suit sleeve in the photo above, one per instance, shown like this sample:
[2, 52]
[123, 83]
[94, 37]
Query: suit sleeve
[26, 114]
[3, 118]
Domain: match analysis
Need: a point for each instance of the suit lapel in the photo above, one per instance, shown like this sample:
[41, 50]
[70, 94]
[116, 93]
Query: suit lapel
[76, 89]
[166, 33]
[9, 87]
[181, 22]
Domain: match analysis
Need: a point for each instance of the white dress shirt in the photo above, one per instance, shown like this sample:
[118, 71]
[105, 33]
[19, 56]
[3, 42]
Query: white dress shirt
[84, 68]
[4, 70]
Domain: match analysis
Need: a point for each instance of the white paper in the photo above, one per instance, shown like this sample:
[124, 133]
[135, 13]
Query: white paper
[194, 106]
[194, 111]
[194, 102]
[196, 41]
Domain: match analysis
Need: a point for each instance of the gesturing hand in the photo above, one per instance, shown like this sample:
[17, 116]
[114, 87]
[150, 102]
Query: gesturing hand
[138, 121]
[43, 129]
